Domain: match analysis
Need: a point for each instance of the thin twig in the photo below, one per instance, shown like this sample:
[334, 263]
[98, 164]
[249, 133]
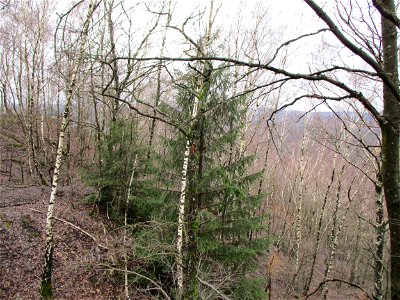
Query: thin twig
[76, 227]
[144, 277]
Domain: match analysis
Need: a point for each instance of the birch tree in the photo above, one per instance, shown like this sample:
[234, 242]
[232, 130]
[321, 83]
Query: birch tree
[126, 228]
[201, 92]
[46, 290]
[319, 229]
[182, 204]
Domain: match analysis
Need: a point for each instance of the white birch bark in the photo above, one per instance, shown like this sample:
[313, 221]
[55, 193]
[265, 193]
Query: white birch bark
[299, 206]
[126, 229]
[333, 238]
[44, 112]
[32, 98]
[336, 228]
[380, 230]
[46, 286]
[319, 228]
[182, 200]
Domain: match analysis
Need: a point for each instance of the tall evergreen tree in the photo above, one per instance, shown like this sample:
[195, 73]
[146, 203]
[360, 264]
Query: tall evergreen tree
[222, 209]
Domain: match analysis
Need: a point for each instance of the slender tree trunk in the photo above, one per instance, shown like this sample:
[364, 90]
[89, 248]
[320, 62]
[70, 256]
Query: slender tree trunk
[44, 108]
[181, 209]
[158, 90]
[335, 232]
[190, 150]
[31, 141]
[390, 146]
[199, 95]
[262, 180]
[195, 205]
[31, 116]
[319, 230]
[99, 129]
[115, 67]
[354, 274]
[5, 107]
[380, 229]
[299, 208]
[46, 290]
[126, 228]
[46, 285]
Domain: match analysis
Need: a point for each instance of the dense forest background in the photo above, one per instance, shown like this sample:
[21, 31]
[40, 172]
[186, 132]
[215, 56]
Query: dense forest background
[208, 159]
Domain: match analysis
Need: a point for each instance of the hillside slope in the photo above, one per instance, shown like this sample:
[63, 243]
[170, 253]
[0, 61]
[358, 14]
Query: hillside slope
[77, 274]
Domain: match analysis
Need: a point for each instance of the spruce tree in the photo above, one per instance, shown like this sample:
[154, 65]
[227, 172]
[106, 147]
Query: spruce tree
[222, 210]
[111, 175]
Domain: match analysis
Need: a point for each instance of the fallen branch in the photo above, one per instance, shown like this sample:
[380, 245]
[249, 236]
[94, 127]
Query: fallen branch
[143, 276]
[213, 288]
[337, 280]
[75, 227]
[19, 186]
[16, 204]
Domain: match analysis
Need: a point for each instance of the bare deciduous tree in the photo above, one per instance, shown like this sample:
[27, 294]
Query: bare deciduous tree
[46, 290]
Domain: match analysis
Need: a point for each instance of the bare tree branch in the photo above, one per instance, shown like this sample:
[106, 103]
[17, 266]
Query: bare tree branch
[287, 43]
[213, 288]
[294, 76]
[151, 116]
[386, 13]
[354, 48]
[75, 227]
[337, 280]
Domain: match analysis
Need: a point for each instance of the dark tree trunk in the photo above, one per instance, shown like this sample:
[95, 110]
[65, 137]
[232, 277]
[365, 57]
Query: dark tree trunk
[390, 146]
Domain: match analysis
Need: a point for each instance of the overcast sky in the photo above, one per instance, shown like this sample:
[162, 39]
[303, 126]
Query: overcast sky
[293, 13]
[291, 17]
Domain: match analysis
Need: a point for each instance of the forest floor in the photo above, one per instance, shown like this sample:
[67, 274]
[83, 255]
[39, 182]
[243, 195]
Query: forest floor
[78, 258]
[85, 243]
